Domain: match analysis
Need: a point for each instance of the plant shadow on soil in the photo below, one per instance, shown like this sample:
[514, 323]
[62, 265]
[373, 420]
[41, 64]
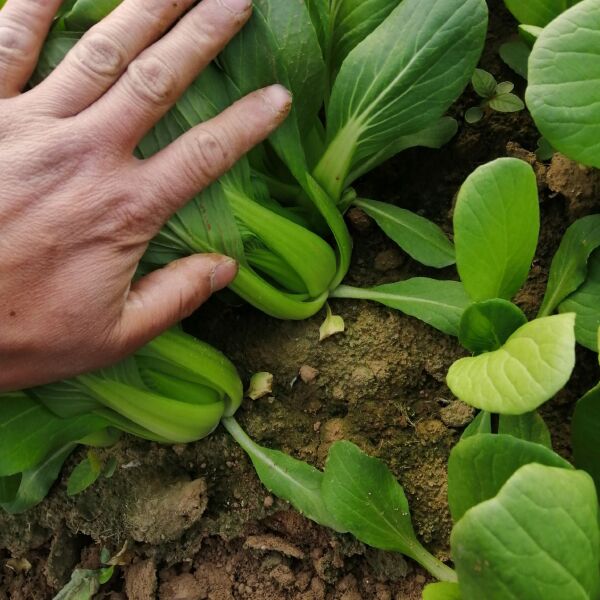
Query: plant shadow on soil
[198, 523]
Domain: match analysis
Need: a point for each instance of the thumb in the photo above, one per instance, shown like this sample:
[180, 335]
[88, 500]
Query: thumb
[165, 297]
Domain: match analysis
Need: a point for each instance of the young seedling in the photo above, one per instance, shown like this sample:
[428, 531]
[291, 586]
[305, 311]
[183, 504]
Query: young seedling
[495, 96]
[517, 365]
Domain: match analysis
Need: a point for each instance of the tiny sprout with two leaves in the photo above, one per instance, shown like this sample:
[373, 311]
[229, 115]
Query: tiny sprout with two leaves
[496, 96]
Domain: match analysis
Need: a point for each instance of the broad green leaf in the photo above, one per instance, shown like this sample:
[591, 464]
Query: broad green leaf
[585, 303]
[585, 429]
[37, 481]
[437, 303]
[516, 55]
[507, 103]
[532, 366]
[351, 22]
[400, 80]
[442, 591]
[486, 325]
[422, 239]
[482, 423]
[484, 83]
[288, 478]
[529, 427]
[319, 14]
[480, 465]
[29, 432]
[280, 45]
[537, 12]
[496, 228]
[436, 135]
[570, 263]
[563, 95]
[537, 539]
[362, 493]
[85, 474]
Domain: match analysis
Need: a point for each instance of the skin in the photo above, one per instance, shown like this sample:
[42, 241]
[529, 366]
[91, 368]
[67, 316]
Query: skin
[77, 210]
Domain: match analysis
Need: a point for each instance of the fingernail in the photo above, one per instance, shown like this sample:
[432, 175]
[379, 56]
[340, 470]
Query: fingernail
[223, 274]
[278, 98]
[236, 6]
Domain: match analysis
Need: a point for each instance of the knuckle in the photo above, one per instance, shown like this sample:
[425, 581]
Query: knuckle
[152, 80]
[207, 157]
[100, 55]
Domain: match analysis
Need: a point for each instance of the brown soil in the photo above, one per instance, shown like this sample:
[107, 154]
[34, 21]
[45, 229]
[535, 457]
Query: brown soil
[197, 521]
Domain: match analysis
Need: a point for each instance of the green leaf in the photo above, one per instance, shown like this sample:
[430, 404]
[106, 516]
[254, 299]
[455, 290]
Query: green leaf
[507, 103]
[516, 55]
[351, 22]
[86, 13]
[569, 265]
[319, 14]
[85, 474]
[532, 366]
[9, 487]
[288, 478]
[474, 114]
[436, 135]
[480, 465]
[563, 95]
[585, 303]
[422, 239]
[537, 539]
[437, 303]
[442, 591]
[482, 423]
[400, 80]
[544, 150]
[506, 87]
[529, 427]
[55, 49]
[37, 481]
[361, 492]
[280, 44]
[29, 432]
[484, 83]
[537, 12]
[496, 227]
[530, 33]
[584, 434]
[84, 585]
[486, 325]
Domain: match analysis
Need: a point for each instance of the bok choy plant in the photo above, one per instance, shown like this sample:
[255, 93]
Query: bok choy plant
[517, 365]
[369, 79]
[176, 389]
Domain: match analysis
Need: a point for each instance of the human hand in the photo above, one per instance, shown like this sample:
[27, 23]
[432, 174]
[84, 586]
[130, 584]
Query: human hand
[77, 210]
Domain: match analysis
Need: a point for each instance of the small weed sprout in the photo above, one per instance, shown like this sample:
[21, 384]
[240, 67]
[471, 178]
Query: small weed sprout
[495, 96]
